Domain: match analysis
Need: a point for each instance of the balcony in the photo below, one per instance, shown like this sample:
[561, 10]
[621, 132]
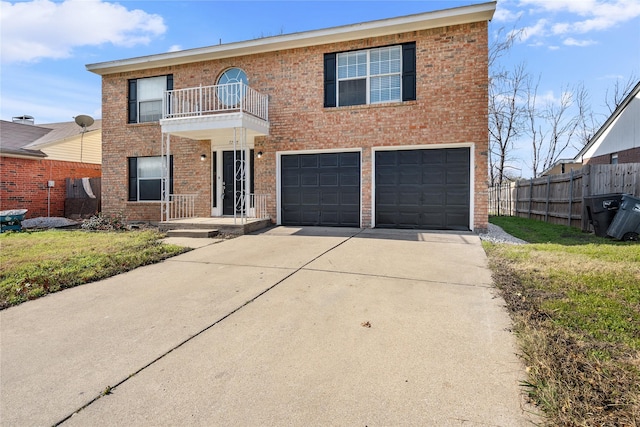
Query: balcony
[213, 112]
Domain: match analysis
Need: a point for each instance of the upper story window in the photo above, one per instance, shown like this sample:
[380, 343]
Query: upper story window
[145, 98]
[614, 159]
[229, 93]
[371, 76]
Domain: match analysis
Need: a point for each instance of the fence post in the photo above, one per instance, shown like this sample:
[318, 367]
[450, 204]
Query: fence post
[517, 195]
[586, 191]
[546, 208]
[530, 197]
[570, 197]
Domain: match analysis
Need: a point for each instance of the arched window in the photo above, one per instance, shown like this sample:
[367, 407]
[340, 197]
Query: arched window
[232, 86]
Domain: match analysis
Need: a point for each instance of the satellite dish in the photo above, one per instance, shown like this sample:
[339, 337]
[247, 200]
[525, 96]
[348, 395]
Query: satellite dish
[84, 121]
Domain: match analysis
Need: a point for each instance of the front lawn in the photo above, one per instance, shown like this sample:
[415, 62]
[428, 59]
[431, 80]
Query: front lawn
[575, 302]
[33, 264]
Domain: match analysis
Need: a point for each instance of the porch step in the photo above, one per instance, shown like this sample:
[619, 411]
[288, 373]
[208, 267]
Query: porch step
[193, 232]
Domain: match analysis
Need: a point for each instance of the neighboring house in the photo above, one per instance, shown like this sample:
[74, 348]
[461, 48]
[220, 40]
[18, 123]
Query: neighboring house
[618, 140]
[377, 124]
[36, 160]
[562, 166]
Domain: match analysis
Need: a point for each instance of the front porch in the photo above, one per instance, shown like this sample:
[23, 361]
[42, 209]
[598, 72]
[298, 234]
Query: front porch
[222, 225]
[227, 117]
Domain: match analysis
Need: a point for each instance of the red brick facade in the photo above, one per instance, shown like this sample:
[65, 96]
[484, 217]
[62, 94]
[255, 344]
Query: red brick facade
[626, 156]
[24, 184]
[451, 109]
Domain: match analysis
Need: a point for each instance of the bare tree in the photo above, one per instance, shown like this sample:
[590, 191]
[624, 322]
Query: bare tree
[614, 96]
[562, 126]
[504, 111]
[533, 129]
[587, 122]
[506, 115]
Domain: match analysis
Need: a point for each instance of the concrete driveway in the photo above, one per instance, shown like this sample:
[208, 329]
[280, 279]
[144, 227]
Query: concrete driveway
[292, 326]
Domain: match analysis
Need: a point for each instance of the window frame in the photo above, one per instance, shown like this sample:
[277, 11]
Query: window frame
[368, 77]
[133, 98]
[133, 174]
[407, 76]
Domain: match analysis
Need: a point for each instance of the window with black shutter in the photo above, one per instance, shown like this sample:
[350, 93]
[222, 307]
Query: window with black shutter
[145, 178]
[371, 76]
[145, 98]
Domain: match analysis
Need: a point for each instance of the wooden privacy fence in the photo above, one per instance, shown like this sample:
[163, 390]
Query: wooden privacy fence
[559, 199]
[83, 199]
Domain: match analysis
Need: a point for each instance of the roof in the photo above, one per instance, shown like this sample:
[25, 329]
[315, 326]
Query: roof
[596, 137]
[15, 136]
[422, 21]
[26, 140]
[62, 131]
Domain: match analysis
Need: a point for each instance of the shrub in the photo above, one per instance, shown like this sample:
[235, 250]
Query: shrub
[104, 222]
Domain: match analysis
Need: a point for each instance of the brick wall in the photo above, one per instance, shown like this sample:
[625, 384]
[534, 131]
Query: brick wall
[631, 155]
[451, 108]
[23, 184]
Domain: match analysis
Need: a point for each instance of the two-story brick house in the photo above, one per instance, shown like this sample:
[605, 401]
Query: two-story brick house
[377, 124]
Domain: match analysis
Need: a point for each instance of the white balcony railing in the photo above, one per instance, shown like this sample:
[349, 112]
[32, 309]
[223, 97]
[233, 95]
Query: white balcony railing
[205, 100]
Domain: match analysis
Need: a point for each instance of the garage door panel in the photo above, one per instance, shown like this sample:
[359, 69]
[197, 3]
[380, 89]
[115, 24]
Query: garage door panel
[409, 157]
[290, 162]
[350, 199]
[329, 160]
[433, 176]
[329, 179]
[433, 157]
[427, 189]
[348, 179]
[307, 161]
[309, 198]
[308, 180]
[328, 192]
[291, 181]
[350, 160]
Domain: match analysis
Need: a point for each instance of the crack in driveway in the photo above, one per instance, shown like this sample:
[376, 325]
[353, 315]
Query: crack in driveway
[111, 388]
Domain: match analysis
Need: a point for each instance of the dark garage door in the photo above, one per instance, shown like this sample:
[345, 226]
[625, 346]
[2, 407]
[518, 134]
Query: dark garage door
[423, 189]
[321, 189]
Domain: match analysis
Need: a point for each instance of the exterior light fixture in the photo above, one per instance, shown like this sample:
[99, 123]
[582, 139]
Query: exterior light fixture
[259, 154]
[203, 157]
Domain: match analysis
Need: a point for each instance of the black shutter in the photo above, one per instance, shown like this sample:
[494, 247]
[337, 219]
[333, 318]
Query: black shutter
[409, 71]
[170, 82]
[330, 80]
[171, 174]
[133, 179]
[133, 101]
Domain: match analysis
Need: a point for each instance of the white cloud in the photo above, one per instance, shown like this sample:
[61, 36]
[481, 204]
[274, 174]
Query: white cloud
[592, 15]
[504, 15]
[539, 29]
[45, 29]
[567, 18]
[580, 43]
[174, 48]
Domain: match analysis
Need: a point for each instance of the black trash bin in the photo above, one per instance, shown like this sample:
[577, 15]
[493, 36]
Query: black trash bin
[601, 209]
[626, 224]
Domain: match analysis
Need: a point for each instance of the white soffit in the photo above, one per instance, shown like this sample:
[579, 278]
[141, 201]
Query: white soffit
[422, 21]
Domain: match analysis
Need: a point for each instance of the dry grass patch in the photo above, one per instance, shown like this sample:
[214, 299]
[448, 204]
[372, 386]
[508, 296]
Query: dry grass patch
[575, 303]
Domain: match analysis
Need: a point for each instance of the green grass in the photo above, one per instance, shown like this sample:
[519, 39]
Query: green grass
[33, 264]
[575, 301]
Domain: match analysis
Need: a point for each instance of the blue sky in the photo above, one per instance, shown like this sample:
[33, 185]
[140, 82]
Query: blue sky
[46, 44]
